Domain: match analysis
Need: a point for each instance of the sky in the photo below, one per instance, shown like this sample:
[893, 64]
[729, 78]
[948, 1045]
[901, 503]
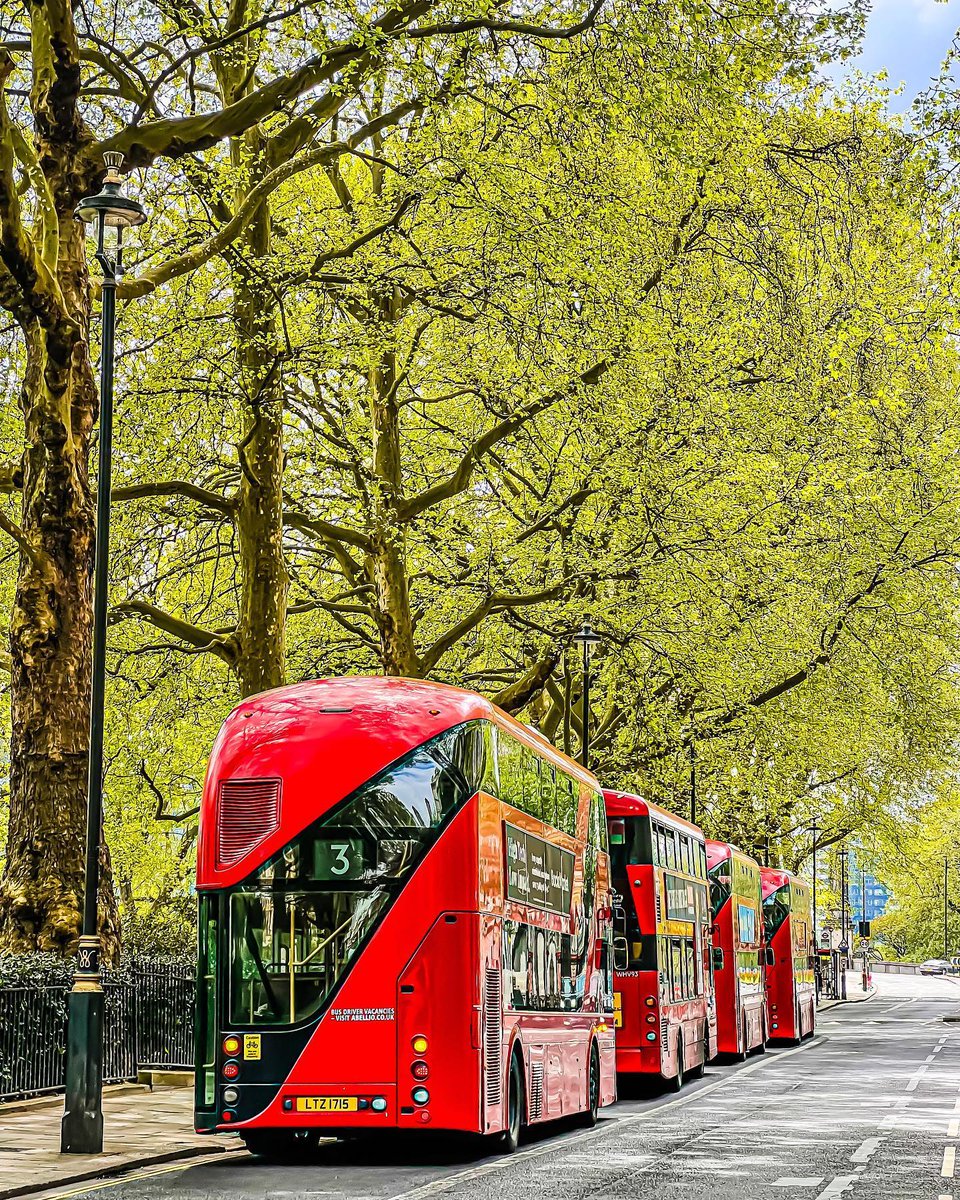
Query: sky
[908, 39]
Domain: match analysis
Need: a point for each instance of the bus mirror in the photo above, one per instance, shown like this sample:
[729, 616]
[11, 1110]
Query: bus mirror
[769, 957]
[717, 958]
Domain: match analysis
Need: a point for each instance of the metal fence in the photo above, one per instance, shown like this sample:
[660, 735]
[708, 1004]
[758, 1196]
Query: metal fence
[148, 1023]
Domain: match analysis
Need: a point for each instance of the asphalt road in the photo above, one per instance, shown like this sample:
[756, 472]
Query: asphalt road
[869, 1109]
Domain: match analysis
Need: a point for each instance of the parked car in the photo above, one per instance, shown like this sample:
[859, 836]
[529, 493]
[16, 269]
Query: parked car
[935, 966]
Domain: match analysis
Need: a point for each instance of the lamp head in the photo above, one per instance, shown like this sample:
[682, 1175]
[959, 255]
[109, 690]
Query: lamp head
[587, 639]
[109, 206]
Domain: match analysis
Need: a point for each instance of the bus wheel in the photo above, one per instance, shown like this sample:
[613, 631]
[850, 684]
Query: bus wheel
[675, 1082]
[589, 1118]
[281, 1145]
[741, 1054]
[509, 1139]
[701, 1067]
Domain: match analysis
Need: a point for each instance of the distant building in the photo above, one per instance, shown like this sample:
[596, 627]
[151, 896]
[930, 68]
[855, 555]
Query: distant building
[868, 896]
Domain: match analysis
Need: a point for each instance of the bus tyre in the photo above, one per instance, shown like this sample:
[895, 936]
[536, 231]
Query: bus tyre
[281, 1145]
[741, 1054]
[675, 1082]
[700, 1069]
[590, 1117]
[509, 1139]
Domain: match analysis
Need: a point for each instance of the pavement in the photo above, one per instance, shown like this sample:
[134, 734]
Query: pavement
[142, 1128]
[867, 1110]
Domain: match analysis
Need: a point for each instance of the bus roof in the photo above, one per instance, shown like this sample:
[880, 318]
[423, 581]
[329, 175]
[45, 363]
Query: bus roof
[772, 879]
[324, 738]
[719, 851]
[624, 804]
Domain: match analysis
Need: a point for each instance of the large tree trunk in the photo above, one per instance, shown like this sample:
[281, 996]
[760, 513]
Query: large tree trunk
[41, 892]
[264, 580]
[387, 561]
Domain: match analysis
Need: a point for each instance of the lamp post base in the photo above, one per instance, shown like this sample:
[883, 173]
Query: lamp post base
[81, 1130]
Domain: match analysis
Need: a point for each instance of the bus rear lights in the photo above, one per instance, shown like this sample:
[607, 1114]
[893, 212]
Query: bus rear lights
[424, 1115]
[420, 1070]
[650, 1002]
[420, 1044]
[227, 1115]
[651, 1037]
[288, 1105]
[379, 1104]
[420, 1095]
[651, 1019]
[231, 1070]
[231, 1045]
[230, 1095]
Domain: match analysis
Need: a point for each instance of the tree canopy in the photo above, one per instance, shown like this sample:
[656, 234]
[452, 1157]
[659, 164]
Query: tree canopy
[451, 326]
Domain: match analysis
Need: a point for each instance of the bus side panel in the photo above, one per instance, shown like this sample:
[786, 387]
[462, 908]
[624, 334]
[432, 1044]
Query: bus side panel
[781, 998]
[439, 998]
[725, 981]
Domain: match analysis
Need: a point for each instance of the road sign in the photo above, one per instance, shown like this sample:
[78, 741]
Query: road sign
[844, 948]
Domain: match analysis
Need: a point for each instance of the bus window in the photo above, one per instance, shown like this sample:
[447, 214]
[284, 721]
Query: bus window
[597, 833]
[567, 793]
[685, 854]
[678, 990]
[531, 782]
[548, 793]
[664, 960]
[510, 759]
[291, 941]
[719, 886]
[516, 966]
[206, 1084]
[671, 849]
[690, 965]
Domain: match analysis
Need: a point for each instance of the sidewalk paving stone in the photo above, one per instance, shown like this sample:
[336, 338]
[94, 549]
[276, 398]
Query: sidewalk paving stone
[141, 1128]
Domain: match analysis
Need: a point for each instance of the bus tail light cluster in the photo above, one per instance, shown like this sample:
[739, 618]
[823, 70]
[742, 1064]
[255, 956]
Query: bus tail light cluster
[231, 1070]
[650, 1001]
[420, 1069]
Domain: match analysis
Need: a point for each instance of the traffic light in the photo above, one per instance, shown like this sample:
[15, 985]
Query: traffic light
[863, 929]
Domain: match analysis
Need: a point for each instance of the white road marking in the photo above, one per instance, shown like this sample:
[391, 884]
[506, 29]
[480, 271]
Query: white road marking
[837, 1187]
[953, 1129]
[949, 1162]
[436, 1185]
[862, 1153]
[916, 1077]
[799, 1181]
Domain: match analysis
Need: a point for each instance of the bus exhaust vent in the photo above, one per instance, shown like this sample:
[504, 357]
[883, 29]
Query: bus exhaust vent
[249, 812]
[492, 1036]
[536, 1091]
[664, 1035]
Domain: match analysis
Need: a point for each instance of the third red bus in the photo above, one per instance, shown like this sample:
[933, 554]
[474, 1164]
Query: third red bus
[788, 928]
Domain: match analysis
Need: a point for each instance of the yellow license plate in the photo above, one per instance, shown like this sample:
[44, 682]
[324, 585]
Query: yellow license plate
[326, 1104]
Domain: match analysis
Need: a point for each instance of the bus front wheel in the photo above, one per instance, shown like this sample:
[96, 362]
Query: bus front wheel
[590, 1117]
[508, 1140]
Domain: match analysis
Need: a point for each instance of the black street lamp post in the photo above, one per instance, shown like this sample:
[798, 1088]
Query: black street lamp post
[587, 639]
[81, 1131]
[815, 831]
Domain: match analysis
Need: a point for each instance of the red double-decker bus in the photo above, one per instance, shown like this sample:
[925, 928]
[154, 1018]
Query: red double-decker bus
[738, 936]
[404, 920]
[788, 928]
[663, 986]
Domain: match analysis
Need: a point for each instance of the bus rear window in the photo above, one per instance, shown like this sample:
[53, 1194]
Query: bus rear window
[776, 909]
[719, 886]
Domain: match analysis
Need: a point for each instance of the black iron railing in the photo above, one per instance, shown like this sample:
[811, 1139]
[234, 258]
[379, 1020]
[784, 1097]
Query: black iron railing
[148, 1023]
